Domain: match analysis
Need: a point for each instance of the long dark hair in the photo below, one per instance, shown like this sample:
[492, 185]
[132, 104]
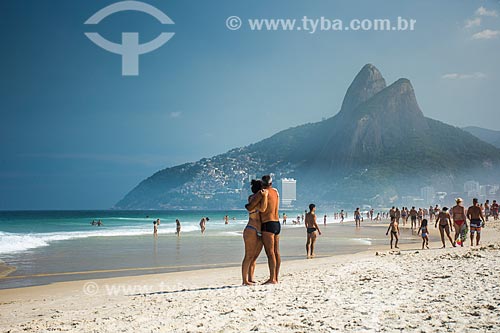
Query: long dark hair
[256, 186]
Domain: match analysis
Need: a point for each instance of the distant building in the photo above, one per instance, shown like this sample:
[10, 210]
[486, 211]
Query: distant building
[428, 194]
[472, 188]
[288, 192]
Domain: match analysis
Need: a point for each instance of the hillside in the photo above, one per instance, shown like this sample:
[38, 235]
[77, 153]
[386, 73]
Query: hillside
[487, 135]
[378, 144]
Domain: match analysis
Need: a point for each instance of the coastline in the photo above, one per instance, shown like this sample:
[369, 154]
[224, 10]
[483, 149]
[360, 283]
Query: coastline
[139, 255]
[345, 292]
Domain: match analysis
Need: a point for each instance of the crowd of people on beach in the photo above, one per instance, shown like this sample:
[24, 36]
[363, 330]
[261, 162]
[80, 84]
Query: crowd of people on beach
[264, 226]
[446, 220]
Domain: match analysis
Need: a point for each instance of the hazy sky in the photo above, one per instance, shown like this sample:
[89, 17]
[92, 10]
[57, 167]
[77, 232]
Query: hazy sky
[75, 134]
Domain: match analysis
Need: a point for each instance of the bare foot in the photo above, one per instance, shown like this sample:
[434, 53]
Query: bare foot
[270, 282]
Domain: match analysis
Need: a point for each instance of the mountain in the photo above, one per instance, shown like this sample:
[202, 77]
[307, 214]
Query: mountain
[379, 145]
[487, 135]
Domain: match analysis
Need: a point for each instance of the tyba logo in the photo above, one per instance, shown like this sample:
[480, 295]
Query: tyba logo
[130, 49]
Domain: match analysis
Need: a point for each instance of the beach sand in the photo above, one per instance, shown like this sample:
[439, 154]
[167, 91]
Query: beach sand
[411, 290]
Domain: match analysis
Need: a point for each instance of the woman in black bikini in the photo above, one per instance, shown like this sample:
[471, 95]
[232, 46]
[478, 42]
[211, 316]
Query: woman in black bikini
[252, 233]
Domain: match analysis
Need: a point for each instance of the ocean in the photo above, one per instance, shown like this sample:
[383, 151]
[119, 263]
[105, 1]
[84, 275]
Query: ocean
[49, 246]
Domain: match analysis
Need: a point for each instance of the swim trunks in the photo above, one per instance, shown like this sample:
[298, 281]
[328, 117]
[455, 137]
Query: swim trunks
[272, 227]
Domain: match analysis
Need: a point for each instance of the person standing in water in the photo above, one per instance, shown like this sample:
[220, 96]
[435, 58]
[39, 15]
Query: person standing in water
[284, 218]
[252, 233]
[312, 228]
[324, 220]
[178, 227]
[203, 224]
[476, 217]
[357, 217]
[271, 229]
[155, 229]
[444, 220]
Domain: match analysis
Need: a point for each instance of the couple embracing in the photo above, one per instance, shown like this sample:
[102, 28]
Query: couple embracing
[262, 230]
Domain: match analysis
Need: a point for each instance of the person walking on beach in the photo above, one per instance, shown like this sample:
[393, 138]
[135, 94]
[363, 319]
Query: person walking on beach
[444, 220]
[312, 228]
[271, 229]
[284, 218]
[392, 213]
[494, 210]
[425, 233]
[203, 224]
[459, 216]
[476, 217]
[413, 217]
[252, 233]
[487, 210]
[342, 216]
[324, 220]
[394, 228]
[420, 215]
[357, 217]
[178, 227]
[404, 215]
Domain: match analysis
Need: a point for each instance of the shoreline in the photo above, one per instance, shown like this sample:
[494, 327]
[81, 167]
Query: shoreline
[292, 236]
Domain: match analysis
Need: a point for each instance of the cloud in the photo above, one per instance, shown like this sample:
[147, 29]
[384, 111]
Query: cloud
[475, 22]
[486, 34]
[459, 76]
[481, 11]
[176, 114]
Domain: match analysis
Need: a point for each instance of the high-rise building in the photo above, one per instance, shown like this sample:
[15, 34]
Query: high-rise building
[472, 188]
[288, 192]
[428, 194]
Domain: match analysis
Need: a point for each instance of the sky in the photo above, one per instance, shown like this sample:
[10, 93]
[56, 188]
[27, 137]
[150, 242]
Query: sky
[76, 134]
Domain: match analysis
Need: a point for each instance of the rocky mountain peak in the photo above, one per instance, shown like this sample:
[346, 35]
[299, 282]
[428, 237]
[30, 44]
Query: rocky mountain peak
[367, 83]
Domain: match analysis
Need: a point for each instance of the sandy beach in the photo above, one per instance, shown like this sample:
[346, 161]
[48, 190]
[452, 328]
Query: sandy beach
[410, 290]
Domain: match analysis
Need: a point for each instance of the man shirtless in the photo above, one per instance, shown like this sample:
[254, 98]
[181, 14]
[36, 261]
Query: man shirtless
[357, 217]
[494, 210]
[487, 211]
[413, 217]
[476, 217]
[312, 227]
[392, 213]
